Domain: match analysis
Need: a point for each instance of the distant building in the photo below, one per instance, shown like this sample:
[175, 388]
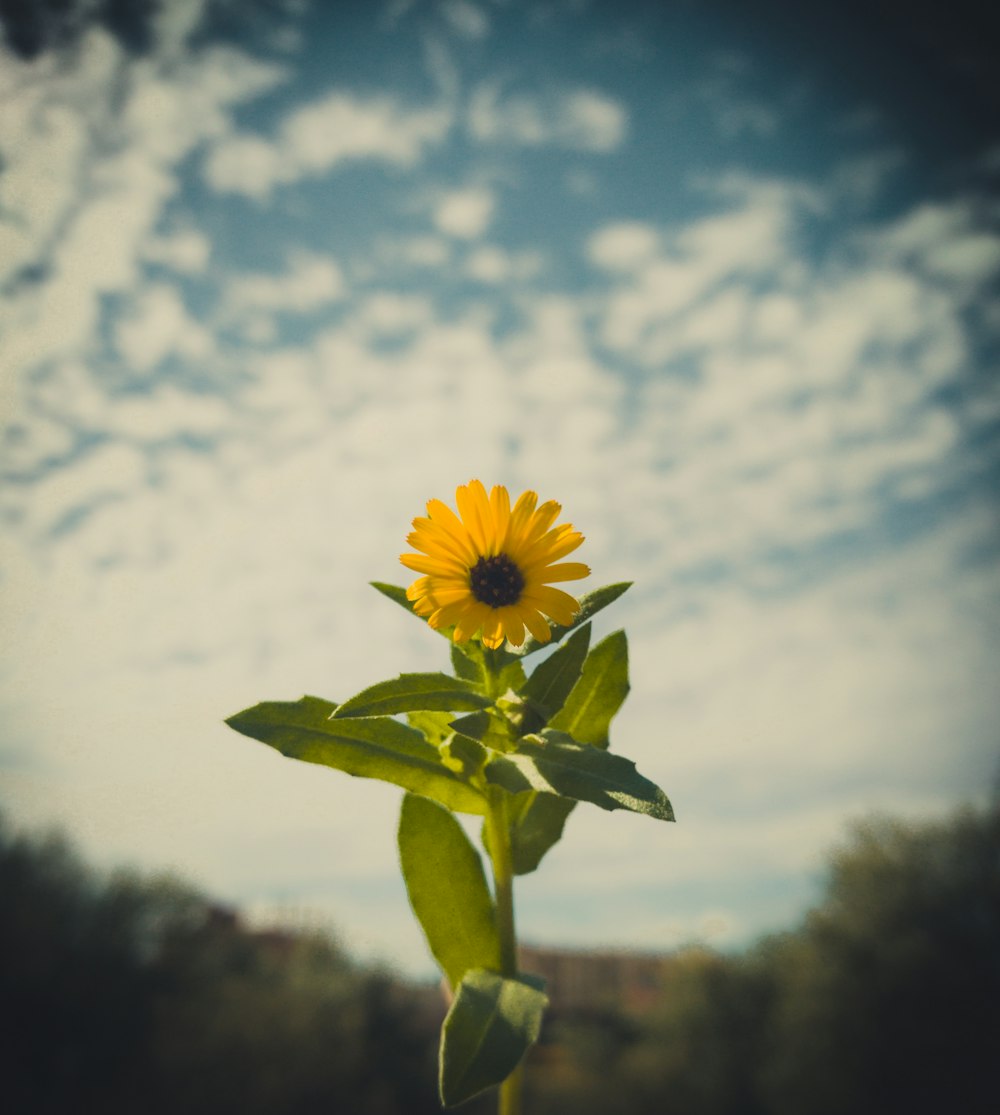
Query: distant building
[592, 982]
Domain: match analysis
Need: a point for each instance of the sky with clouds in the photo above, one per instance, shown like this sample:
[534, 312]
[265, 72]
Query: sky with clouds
[726, 292]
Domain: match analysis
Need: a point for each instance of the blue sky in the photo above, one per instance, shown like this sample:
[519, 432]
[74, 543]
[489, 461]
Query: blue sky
[725, 288]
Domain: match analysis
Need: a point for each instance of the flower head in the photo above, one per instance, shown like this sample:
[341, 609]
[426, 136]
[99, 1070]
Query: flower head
[490, 568]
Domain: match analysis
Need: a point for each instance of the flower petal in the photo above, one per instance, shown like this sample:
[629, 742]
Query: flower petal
[520, 519]
[421, 563]
[449, 614]
[568, 571]
[536, 624]
[500, 514]
[473, 506]
[429, 531]
[543, 518]
[450, 545]
[493, 631]
[554, 545]
[553, 602]
[513, 625]
[471, 621]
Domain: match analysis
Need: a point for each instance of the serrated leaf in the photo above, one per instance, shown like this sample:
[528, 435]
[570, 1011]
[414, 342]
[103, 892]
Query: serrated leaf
[447, 889]
[410, 692]
[590, 604]
[378, 747]
[598, 694]
[491, 1025]
[551, 683]
[554, 763]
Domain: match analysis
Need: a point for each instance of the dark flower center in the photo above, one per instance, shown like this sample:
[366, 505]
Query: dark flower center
[496, 581]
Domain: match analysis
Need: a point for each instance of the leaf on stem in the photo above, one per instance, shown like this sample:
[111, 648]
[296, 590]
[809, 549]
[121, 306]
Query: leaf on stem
[492, 1022]
[447, 889]
[468, 663]
[554, 763]
[537, 822]
[598, 694]
[378, 747]
[412, 692]
[551, 683]
[538, 819]
[436, 726]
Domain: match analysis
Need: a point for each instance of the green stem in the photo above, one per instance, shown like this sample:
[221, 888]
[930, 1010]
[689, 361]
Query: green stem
[503, 879]
[492, 678]
[498, 830]
[498, 827]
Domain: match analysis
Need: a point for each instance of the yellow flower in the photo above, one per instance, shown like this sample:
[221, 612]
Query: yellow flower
[490, 568]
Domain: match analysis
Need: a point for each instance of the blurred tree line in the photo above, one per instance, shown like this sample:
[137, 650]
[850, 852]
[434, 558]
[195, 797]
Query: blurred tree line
[138, 994]
[133, 994]
[886, 999]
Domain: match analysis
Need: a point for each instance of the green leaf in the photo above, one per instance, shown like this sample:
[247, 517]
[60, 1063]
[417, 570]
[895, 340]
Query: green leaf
[512, 675]
[490, 1026]
[475, 725]
[488, 727]
[554, 763]
[598, 695]
[379, 747]
[412, 691]
[397, 594]
[463, 755]
[551, 683]
[467, 664]
[590, 604]
[536, 824]
[447, 889]
[538, 819]
[436, 726]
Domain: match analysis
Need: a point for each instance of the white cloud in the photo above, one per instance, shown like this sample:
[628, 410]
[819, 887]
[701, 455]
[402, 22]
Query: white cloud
[93, 142]
[750, 242]
[465, 214]
[413, 251]
[186, 251]
[943, 240]
[160, 326]
[311, 281]
[580, 120]
[314, 138]
[390, 314]
[624, 246]
[467, 20]
[490, 264]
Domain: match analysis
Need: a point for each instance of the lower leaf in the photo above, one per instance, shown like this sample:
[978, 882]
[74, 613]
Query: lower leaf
[447, 888]
[492, 1022]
